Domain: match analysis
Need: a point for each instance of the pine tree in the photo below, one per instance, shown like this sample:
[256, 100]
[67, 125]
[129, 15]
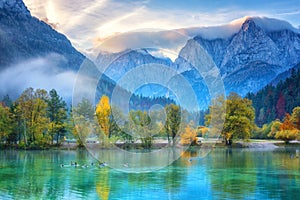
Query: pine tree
[57, 113]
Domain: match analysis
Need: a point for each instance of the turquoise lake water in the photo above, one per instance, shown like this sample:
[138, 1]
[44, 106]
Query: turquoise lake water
[222, 174]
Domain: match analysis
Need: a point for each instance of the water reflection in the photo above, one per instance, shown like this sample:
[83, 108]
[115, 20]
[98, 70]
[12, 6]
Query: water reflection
[138, 161]
[258, 174]
[103, 185]
[223, 174]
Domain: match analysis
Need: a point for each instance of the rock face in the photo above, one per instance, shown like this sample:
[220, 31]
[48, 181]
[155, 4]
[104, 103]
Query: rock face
[23, 36]
[16, 6]
[254, 56]
[116, 65]
[247, 60]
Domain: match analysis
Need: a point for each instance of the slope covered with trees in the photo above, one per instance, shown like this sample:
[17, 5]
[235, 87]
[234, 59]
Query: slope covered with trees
[273, 102]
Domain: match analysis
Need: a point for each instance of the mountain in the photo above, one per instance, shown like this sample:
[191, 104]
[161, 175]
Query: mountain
[30, 49]
[249, 54]
[33, 54]
[134, 70]
[23, 36]
[116, 65]
[262, 49]
[25, 41]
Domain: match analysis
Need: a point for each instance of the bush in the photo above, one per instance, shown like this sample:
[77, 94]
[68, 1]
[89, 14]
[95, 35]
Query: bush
[287, 135]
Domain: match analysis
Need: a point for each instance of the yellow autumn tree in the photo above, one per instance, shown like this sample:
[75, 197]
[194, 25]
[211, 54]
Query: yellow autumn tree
[103, 112]
[203, 131]
[188, 136]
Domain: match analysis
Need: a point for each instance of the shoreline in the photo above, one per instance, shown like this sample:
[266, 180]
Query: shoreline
[252, 144]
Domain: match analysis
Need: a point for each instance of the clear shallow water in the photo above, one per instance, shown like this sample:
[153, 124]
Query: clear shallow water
[223, 174]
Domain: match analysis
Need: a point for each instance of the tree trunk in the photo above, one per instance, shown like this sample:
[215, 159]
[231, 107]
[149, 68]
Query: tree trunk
[57, 138]
[228, 141]
[25, 133]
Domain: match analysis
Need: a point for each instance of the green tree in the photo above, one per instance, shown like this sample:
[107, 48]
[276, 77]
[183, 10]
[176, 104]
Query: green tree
[117, 122]
[263, 132]
[5, 123]
[239, 117]
[85, 109]
[16, 125]
[32, 106]
[173, 121]
[295, 118]
[57, 113]
[216, 117]
[141, 127]
[83, 119]
[274, 128]
[7, 101]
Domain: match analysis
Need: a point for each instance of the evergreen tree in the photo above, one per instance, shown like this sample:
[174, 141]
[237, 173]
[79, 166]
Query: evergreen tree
[5, 123]
[272, 102]
[57, 113]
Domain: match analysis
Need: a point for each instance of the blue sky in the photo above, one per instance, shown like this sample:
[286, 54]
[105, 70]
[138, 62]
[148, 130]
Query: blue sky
[289, 10]
[88, 22]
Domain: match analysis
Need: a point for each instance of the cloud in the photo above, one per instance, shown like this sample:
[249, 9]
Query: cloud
[165, 41]
[40, 73]
[296, 12]
[88, 23]
[81, 20]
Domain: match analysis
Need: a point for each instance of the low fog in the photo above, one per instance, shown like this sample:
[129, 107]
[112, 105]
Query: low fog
[42, 72]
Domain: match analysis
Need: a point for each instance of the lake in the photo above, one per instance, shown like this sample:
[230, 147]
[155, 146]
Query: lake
[222, 174]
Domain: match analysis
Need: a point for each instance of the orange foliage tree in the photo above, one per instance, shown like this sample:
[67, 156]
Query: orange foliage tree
[287, 130]
[188, 136]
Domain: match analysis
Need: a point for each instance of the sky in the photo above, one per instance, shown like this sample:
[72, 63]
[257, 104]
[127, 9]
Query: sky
[90, 23]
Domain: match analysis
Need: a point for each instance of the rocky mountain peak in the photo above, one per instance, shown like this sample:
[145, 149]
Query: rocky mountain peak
[248, 25]
[14, 6]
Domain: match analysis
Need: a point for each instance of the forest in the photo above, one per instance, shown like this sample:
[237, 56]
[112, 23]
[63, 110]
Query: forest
[41, 119]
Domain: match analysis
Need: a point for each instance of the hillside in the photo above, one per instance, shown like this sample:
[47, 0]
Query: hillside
[272, 102]
[23, 37]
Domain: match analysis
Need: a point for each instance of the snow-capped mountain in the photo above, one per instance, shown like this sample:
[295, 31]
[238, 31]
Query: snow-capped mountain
[262, 49]
[248, 57]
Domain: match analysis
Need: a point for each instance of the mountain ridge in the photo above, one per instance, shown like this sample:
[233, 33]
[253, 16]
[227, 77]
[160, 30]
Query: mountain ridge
[248, 60]
[252, 44]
